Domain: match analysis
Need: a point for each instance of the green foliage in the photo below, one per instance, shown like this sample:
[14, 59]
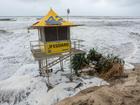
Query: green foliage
[78, 62]
[103, 63]
[115, 59]
[93, 55]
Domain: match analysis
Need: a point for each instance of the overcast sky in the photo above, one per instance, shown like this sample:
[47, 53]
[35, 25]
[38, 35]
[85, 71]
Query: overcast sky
[77, 7]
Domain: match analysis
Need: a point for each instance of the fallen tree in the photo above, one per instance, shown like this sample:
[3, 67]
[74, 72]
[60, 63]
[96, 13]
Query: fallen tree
[94, 62]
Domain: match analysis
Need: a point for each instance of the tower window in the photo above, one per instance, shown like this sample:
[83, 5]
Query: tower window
[56, 33]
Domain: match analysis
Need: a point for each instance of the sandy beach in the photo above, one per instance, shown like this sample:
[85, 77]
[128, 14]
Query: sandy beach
[123, 91]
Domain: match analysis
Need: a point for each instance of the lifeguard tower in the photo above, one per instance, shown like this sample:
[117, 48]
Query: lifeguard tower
[54, 42]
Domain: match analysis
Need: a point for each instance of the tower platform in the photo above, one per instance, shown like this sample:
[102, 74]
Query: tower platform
[39, 55]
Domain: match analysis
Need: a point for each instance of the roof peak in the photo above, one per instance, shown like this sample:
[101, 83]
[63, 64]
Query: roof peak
[52, 19]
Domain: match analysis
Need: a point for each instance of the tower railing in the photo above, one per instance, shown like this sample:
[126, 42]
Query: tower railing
[77, 44]
[37, 45]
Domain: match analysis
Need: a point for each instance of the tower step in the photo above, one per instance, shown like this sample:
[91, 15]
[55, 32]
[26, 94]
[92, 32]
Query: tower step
[51, 64]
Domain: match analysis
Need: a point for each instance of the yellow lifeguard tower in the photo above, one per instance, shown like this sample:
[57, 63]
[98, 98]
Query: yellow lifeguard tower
[54, 42]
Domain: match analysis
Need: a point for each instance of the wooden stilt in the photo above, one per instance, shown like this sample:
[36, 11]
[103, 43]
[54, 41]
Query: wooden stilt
[71, 77]
[47, 71]
[61, 64]
[40, 71]
[70, 63]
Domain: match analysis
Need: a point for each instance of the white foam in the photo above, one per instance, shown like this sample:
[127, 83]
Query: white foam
[128, 66]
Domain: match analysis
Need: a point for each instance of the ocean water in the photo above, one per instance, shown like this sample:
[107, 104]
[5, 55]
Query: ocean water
[18, 70]
[109, 35]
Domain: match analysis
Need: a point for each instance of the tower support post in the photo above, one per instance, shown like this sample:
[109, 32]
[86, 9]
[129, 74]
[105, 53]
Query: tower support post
[40, 65]
[70, 64]
[61, 64]
[47, 71]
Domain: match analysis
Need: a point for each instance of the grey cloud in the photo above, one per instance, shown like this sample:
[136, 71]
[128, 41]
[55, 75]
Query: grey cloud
[86, 2]
[125, 2]
[78, 7]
